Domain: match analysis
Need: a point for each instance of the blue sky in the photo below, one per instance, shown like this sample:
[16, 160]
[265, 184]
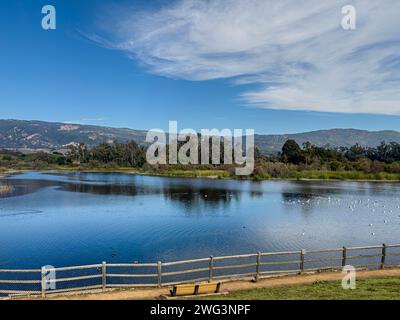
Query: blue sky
[139, 64]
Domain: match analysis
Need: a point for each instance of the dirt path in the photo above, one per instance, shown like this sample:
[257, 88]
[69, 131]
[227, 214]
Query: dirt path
[142, 294]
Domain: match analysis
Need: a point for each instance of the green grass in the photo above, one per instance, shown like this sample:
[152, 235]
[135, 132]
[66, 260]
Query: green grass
[368, 289]
[343, 175]
[169, 172]
[298, 175]
[224, 174]
[196, 173]
[95, 170]
[76, 168]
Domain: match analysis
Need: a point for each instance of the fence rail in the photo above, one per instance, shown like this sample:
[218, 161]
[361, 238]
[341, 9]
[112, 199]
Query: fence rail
[253, 265]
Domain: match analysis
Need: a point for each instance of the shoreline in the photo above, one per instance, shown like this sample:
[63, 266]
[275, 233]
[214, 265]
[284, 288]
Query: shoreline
[6, 174]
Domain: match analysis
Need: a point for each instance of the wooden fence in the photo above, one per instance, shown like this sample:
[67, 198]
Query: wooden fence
[225, 268]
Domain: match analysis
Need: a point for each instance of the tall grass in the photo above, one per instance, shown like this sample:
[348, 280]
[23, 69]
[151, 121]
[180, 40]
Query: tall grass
[290, 173]
[342, 175]
[216, 174]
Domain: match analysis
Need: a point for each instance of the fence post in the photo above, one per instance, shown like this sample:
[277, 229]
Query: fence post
[383, 259]
[159, 273]
[258, 265]
[210, 269]
[302, 254]
[43, 282]
[344, 257]
[104, 275]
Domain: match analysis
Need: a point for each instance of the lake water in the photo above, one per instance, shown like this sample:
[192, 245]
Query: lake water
[68, 219]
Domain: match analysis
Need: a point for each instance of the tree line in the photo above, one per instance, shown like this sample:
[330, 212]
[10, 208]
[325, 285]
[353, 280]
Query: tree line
[292, 158]
[308, 157]
[293, 153]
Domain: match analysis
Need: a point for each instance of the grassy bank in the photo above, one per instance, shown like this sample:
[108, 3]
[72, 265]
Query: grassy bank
[212, 174]
[216, 174]
[342, 175]
[93, 170]
[296, 175]
[223, 174]
[368, 289]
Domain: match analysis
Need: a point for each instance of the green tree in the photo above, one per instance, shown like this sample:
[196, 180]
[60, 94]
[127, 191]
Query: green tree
[292, 153]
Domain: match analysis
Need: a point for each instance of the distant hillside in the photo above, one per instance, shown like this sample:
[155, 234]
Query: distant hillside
[39, 135]
[18, 134]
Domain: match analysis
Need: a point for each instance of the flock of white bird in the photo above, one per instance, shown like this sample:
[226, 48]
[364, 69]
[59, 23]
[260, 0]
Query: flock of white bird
[388, 210]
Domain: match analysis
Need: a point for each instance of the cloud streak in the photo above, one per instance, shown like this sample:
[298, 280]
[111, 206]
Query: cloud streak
[294, 53]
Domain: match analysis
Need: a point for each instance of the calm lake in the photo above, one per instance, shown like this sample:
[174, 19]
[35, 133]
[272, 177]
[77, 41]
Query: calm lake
[68, 219]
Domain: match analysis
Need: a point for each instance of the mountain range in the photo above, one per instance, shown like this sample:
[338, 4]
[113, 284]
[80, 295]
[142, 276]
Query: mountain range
[50, 136]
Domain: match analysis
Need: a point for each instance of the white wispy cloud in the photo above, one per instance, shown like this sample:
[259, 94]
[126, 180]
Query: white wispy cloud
[295, 52]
